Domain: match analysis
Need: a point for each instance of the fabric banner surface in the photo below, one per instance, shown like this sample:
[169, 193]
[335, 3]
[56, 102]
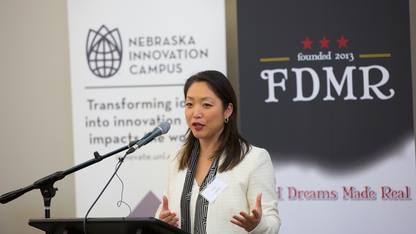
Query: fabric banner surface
[326, 88]
[129, 61]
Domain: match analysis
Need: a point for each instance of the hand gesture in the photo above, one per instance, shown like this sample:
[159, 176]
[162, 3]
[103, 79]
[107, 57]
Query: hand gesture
[249, 222]
[167, 216]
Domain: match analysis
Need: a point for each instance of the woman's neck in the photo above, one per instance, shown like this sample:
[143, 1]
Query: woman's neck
[207, 148]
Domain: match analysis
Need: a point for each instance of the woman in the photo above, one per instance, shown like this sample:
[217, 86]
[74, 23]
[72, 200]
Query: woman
[239, 178]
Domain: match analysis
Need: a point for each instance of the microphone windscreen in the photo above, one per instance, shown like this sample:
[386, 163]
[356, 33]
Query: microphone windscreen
[164, 126]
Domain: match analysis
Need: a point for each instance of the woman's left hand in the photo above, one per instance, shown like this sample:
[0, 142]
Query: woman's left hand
[249, 222]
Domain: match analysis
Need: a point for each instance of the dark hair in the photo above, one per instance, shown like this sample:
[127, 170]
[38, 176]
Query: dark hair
[230, 141]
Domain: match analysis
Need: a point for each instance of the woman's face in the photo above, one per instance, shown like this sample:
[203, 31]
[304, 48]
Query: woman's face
[204, 112]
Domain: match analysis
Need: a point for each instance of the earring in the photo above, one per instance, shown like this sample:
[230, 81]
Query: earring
[226, 120]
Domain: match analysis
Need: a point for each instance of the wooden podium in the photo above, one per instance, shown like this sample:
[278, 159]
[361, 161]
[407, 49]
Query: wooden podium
[146, 225]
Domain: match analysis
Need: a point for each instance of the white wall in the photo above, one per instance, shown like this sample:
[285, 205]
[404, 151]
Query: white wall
[35, 103]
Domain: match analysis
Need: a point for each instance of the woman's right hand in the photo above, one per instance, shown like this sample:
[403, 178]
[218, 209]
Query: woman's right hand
[167, 216]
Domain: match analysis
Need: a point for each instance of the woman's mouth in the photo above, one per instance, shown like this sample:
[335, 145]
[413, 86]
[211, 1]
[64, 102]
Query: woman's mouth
[198, 126]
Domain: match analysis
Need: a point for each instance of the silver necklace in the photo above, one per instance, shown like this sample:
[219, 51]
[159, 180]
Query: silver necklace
[207, 157]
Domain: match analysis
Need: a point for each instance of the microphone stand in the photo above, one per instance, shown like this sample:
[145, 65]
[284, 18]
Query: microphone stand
[46, 183]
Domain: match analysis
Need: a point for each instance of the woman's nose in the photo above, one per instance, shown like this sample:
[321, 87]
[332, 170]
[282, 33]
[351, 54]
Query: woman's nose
[197, 112]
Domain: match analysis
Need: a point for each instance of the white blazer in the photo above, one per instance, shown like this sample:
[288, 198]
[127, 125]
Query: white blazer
[254, 175]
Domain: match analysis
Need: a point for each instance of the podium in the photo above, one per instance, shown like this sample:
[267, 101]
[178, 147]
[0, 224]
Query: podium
[146, 225]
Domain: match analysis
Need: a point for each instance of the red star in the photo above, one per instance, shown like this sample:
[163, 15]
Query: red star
[324, 43]
[307, 43]
[342, 42]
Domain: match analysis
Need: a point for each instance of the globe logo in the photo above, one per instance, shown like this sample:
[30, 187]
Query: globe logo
[104, 51]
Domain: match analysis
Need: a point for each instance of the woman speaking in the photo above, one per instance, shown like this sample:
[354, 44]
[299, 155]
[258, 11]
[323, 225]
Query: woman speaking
[217, 182]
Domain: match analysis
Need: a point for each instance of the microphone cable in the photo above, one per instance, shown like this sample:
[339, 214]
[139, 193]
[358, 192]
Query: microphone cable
[118, 165]
[121, 202]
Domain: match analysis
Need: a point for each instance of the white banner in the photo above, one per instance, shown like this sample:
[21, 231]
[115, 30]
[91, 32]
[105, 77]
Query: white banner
[129, 61]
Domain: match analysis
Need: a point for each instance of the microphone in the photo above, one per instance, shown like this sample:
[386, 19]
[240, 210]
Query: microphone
[160, 129]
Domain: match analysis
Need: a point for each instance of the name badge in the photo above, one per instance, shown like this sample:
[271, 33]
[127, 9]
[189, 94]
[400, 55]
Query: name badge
[214, 190]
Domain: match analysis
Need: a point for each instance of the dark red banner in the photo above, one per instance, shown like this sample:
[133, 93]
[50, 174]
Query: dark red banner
[326, 88]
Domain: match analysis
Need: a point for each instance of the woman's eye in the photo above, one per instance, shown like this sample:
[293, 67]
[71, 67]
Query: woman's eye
[207, 105]
[188, 104]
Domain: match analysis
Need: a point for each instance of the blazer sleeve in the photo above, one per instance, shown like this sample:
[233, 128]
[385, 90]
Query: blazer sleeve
[166, 193]
[262, 179]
